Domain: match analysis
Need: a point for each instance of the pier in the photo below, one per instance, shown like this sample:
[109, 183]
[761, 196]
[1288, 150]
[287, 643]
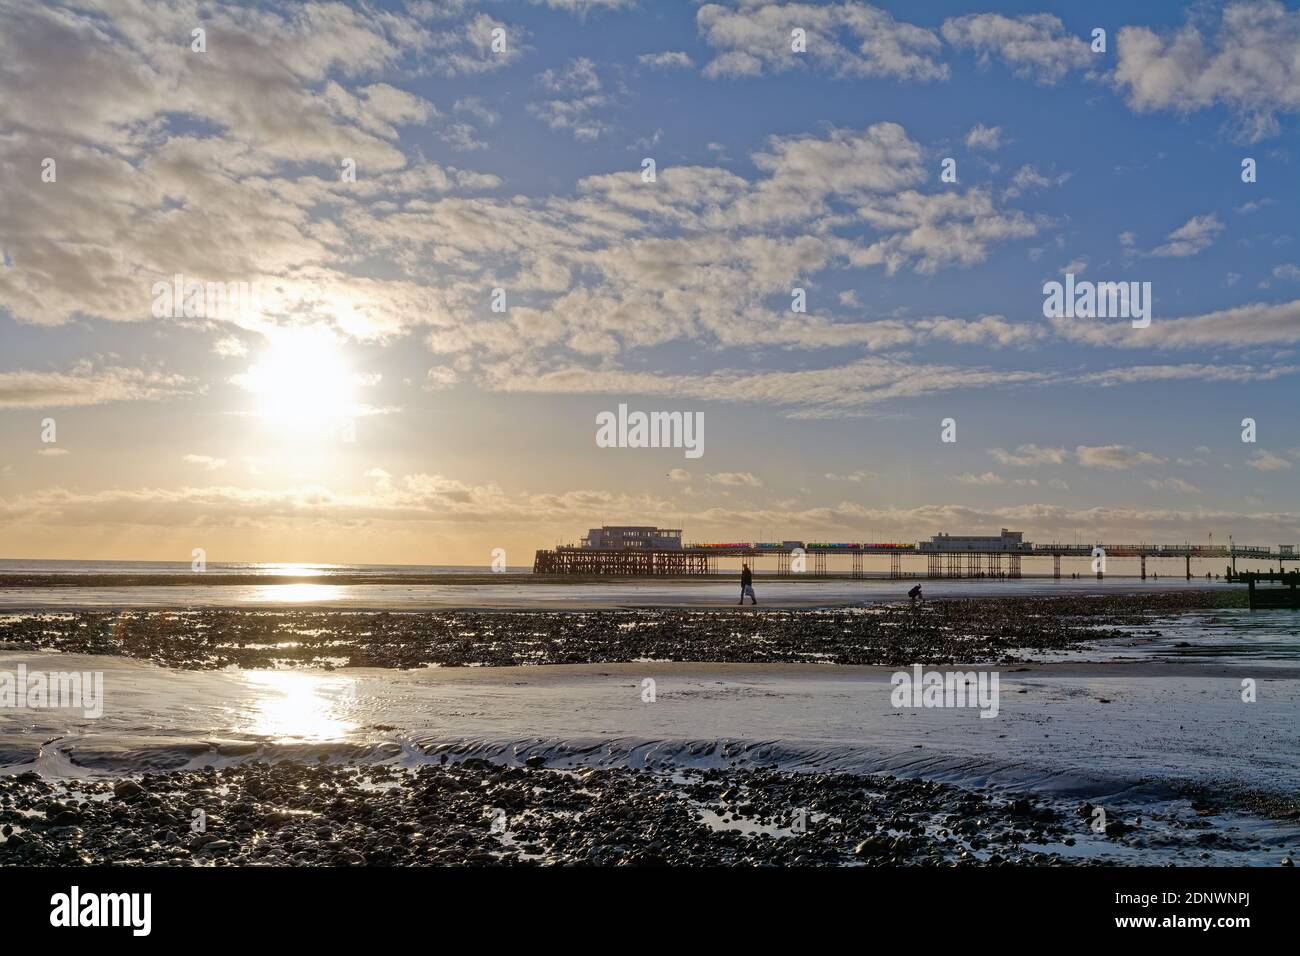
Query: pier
[1286, 596]
[796, 559]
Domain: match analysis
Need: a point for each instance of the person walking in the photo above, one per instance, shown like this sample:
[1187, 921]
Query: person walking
[746, 584]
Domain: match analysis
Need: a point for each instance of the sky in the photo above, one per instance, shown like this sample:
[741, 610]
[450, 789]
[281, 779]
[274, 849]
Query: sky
[461, 230]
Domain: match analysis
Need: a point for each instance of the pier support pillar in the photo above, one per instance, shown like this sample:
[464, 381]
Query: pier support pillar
[1143, 559]
[1056, 566]
[1189, 567]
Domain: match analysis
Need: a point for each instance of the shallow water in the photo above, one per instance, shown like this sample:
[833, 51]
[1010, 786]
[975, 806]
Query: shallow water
[809, 593]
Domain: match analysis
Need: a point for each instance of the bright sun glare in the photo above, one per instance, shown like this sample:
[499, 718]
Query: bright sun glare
[302, 380]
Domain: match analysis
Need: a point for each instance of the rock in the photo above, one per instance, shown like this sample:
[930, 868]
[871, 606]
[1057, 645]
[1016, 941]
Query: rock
[127, 790]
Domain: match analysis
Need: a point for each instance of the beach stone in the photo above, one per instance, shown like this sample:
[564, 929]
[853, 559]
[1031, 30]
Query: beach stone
[127, 789]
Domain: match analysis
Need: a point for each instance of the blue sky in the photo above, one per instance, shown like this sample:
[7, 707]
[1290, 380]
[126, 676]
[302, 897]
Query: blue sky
[373, 407]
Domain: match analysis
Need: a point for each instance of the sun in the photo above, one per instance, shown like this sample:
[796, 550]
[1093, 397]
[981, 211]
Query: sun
[302, 380]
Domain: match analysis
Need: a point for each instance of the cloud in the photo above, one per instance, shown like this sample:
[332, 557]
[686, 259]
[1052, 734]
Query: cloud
[1172, 484]
[1114, 457]
[1034, 45]
[667, 60]
[230, 346]
[1191, 237]
[988, 478]
[448, 505]
[853, 476]
[741, 478]
[53, 452]
[205, 461]
[1030, 455]
[1267, 461]
[171, 161]
[1186, 371]
[86, 384]
[578, 94]
[844, 39]
[1242, 326]
[1028, 179]
[931, 231]
[806, 393]
[984, 137]
[468, 50]
[679, 474]
[440, 378]
[1250, 65]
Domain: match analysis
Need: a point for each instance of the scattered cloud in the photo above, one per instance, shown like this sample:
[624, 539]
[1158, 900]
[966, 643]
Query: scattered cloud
[843, 39]
[1114, 457]
[88, 384]
[666, 60]
[1036, 46]
[1191, 237]
[743, 478]
[1268, 461]
[984, 137]
[205, 461]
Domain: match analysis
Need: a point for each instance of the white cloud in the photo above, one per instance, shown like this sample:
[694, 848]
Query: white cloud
[984, 137]
[1191, 237]
[845, 39]
[1250, 64]
[667, 60]
[1035, 45]
[1028, 179]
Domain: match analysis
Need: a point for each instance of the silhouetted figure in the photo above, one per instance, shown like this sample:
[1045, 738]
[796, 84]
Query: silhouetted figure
[915, 594]
[746, 585]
